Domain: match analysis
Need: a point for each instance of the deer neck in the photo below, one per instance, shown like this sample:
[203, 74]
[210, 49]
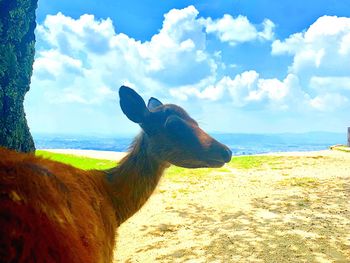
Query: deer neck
[133, 181]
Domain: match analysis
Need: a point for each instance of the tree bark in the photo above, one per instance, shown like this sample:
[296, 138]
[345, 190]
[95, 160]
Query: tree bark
[17, 39]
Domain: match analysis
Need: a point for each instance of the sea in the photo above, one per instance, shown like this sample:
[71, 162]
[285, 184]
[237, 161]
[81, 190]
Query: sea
[240, 144]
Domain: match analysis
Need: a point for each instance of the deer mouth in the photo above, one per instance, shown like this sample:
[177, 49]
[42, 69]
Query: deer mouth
[203, 164]
[215, 164]
[216, 161]
[200, 164]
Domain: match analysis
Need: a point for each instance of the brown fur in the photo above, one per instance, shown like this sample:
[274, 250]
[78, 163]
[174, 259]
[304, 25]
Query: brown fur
[53, 212]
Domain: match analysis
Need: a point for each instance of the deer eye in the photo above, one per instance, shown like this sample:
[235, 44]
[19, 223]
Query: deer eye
[175, 124]
[168, 113]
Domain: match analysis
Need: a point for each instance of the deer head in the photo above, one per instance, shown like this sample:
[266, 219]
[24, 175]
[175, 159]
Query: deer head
[173, 136]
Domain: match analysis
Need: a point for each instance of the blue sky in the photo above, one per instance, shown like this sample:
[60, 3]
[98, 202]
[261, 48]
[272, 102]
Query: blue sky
[236, 66]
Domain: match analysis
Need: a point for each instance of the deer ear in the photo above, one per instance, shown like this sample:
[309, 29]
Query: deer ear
[153, 103]
[132, 105]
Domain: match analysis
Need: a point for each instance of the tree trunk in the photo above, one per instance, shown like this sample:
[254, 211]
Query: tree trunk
[17, 39]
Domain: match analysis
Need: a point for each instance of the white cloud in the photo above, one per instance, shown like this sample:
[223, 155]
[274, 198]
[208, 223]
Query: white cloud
[267, 33]
[320, 60]
[329, 102]
[52, 64]
[76, 57]
[248, 89]
[236, 90]
[177, 54]
[240, 87]
[291, 45]
[345, 45]
[201, 90]
[272, 89]
[94, 55]
[330, 83]
[239, 29]
[322, 48]
[70, 35]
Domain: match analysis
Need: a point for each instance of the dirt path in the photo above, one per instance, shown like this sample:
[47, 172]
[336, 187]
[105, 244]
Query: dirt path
[292, 209]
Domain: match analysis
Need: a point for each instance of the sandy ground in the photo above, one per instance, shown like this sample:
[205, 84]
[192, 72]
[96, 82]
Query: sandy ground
[295, 208]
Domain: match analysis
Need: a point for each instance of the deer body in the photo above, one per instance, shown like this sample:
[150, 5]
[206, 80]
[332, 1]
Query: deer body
[52, 212]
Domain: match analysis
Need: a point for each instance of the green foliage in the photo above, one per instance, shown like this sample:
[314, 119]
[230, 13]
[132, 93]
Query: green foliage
[78, 161]
[253, 162]
[17, 40]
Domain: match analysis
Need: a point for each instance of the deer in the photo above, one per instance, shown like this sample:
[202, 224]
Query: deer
[54, 212]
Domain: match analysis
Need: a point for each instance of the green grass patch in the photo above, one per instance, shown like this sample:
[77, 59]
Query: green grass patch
[84, 163]
[254, 162]
[342, 148]
[299, 181]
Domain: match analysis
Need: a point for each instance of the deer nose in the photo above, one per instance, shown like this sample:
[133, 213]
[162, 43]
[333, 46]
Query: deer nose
[227, 154]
